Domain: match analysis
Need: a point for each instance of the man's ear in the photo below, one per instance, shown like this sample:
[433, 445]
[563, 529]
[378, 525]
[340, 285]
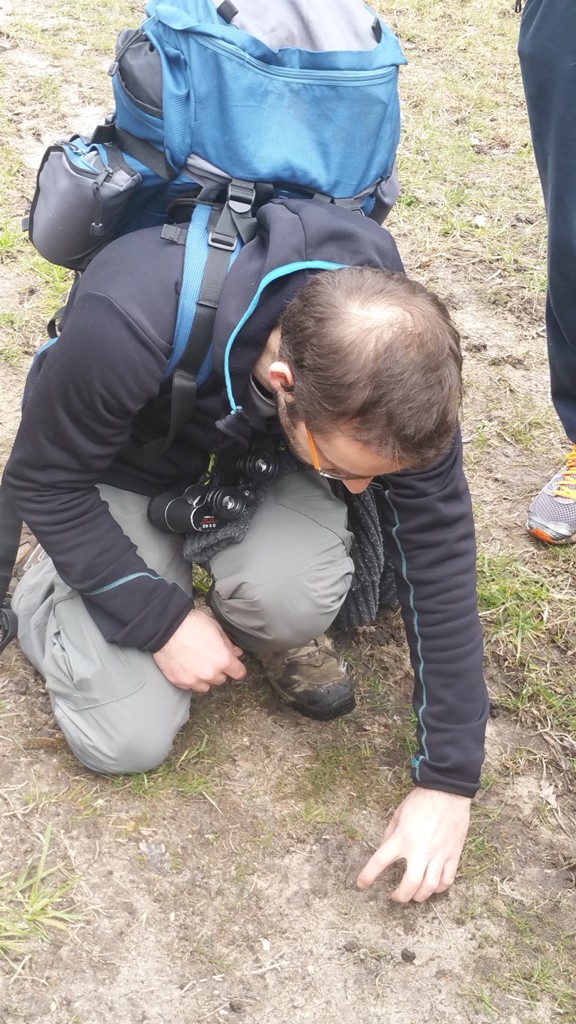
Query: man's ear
[280, 376]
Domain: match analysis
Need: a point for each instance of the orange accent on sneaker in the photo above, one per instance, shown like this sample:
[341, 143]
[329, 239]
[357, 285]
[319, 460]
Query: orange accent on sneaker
[542, 535]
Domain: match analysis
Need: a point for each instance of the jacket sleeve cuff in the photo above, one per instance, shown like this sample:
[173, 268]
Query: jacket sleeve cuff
[444, 785]
[146, 622]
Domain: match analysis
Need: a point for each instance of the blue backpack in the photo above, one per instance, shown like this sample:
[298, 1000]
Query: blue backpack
[218, 109]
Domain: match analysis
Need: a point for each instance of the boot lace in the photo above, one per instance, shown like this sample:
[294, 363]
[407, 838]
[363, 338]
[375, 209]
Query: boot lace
[320, 645]
[566, 486]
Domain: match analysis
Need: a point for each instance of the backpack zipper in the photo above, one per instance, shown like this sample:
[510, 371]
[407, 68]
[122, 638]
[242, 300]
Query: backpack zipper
[97, 227]
[303, 76]
[138, 32]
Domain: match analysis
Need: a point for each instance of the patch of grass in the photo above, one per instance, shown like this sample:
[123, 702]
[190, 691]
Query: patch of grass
[12, 241]
[563, 554]
[10, 353]
[341, 777]
[521, 760]
[470, 188]
[315, 814]
[79, 24]
[262, 841]
[527, 424]
[387, 714]
[85, 799]
[530, 627]
[82, 797]
[12, 320]
[481, 438]
[540, 963]
[180, 777]
[27, 32]
[13, 329]
[201, 579]
[544, 699]
[33, 902]
[501, 411]
[482, 852]
[483, 1004]
[514, 601]
[54, 283]
[339, 764]
[46, 95]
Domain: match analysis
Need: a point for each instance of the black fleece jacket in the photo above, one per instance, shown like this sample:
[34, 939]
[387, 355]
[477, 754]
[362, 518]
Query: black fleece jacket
[94, 397]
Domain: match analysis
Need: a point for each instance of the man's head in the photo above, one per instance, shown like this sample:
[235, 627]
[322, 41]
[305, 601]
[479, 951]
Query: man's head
[368, 359]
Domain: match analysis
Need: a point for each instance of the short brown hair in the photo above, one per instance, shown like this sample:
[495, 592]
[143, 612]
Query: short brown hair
[376, 355]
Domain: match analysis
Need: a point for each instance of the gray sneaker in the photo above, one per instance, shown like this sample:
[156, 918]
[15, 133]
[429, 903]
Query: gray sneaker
[552, 514]
[313, 679]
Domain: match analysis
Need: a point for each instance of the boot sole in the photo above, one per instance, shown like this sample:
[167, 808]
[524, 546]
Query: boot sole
[328, 714]
[546, 532]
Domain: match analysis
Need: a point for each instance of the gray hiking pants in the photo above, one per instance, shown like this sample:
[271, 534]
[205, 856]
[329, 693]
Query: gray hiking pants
[276, 589]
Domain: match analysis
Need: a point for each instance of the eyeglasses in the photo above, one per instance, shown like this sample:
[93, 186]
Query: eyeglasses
[328, 474]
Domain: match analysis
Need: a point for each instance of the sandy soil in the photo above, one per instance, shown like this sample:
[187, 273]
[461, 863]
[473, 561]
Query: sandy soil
[222, 888]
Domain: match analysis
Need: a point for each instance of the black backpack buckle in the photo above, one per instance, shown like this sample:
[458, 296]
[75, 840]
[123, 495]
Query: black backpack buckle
[241, 196]
[219, 240]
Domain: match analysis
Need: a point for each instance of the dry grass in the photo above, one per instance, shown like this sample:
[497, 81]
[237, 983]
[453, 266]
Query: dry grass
[250, 833]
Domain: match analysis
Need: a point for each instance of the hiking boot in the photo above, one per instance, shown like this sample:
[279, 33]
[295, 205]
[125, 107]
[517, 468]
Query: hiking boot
[552, 514]
[313, 679]
[29, 554]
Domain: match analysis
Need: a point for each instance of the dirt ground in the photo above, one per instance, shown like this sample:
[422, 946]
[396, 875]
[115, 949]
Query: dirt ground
[222, 886]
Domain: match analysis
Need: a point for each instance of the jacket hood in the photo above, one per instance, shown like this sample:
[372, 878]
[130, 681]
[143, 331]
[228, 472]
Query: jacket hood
[294, 238]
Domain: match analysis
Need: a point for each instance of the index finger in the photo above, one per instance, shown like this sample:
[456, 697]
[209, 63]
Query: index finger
[231, 645]
[412, 884]
[235, 669]
[385, 855]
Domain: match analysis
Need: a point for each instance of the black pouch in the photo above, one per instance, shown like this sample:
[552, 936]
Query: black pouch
[82, 191]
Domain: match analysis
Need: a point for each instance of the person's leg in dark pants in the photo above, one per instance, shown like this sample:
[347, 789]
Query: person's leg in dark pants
[547, 51]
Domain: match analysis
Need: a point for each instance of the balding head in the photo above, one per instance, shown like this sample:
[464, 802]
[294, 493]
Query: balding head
[375, 355]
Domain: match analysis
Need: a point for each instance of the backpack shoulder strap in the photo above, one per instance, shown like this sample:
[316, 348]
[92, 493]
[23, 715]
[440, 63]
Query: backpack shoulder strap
[213, 240]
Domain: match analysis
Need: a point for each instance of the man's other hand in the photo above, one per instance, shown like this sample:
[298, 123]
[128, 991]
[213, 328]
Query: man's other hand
[427, 830]
[199, 655]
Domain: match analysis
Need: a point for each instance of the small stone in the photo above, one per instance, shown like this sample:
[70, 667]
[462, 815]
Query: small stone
[351, 945]
[236, 1005]
[408, 955]
[442, 974]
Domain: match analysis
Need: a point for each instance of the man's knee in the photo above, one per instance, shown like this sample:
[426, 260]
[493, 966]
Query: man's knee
[117, 746]
[282, 613]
